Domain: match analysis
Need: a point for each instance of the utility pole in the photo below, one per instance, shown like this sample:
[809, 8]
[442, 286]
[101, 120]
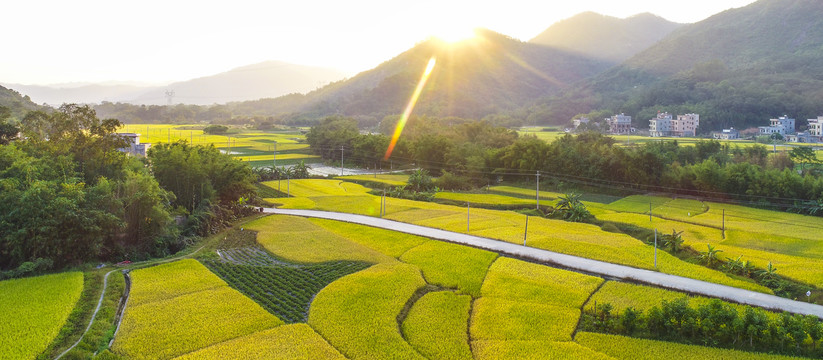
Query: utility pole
[723, 230]
[341, 160]
[275, 155]
[288, 185]
[169, 136]
[468, 216]
[655, 248]
[526, 232]
[650, 211]
[537, 190]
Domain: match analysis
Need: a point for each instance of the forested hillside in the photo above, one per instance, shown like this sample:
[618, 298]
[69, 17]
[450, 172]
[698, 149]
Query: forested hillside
[606, 37]
[738, 68]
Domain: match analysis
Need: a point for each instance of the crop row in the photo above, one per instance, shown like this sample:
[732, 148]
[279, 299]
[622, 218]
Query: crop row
[437, 325]
[287, 342]
[358, 313]
[532, 283]
[533, 350]
[184, 321]
[170, 280]
[499, 319]
[450, 265]
[283, 290]
[32, 311]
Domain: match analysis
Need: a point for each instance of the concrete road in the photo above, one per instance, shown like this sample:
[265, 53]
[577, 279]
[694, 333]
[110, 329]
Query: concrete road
[577, 263]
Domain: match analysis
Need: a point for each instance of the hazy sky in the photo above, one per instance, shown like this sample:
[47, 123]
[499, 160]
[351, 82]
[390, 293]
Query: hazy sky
[155, 41]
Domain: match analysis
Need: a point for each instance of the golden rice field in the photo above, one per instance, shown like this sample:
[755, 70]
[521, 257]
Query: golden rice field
[253, 146]
[555, 235]
[422, 299]
[388, 179]
[32, 311]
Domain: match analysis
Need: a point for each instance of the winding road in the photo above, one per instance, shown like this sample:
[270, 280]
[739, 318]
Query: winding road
[575, 262]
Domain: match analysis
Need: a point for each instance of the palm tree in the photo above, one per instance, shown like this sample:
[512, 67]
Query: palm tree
[710, 255]
[735, 266]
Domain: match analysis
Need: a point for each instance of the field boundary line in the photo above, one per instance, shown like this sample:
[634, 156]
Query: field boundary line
[93, 315]
[577, 263]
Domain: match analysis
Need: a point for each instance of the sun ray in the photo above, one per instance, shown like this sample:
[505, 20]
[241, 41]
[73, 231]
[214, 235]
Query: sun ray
[402, 123]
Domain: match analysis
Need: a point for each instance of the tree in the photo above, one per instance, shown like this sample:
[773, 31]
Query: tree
[769, 273]
[420, 181]
[570, 208]
[804, 155]
[216, 129]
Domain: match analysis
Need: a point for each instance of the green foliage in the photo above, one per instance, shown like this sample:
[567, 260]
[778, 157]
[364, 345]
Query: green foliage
[715, 323]
[216, 129]
[420, 181]
[570, 208]
[69, 196]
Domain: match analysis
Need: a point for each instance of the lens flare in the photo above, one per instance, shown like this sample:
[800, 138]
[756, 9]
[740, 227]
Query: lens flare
[402, 123]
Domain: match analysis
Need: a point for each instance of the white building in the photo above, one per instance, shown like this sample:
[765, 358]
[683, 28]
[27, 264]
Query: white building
[135, 147]
[580, 121]
[782, 125]
[619, 124]
[726, 134]
[816, 126]
[665, 125]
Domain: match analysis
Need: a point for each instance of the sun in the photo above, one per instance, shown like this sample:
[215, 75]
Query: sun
[452, 34]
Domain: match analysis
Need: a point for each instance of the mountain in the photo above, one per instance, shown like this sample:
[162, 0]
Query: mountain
[263, 80]
[17, 103]
[484, 75]
[737, 68]
[55, 95]
[605, 37]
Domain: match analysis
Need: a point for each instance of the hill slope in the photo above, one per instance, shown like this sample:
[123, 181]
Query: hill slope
[263, 80]
[606, 37]
[737, 68]
[17, 103]
[472, 78]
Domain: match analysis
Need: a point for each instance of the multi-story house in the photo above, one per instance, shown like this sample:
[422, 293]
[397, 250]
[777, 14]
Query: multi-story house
[782, 125]
[134, 146]
[665, 125]
[619, 124]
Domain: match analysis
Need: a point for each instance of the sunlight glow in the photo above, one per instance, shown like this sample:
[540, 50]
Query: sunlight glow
[454, 34]
[402, 122]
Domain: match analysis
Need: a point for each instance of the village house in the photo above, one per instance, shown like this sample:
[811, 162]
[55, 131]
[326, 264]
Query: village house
[665, 125]
[782, 125]
[726, 134]
[135, 148]
[619, 124]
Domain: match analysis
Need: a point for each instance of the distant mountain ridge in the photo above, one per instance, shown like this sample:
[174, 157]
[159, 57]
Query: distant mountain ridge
[262, 80]
[18, 104]
[736, 69]
[473, 78]
[606, 37]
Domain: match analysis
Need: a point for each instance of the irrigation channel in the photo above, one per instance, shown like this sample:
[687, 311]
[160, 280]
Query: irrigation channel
[577, 263]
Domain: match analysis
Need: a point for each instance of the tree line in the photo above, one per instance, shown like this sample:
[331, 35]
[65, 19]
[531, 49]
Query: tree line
[69, 196]
[479, 153]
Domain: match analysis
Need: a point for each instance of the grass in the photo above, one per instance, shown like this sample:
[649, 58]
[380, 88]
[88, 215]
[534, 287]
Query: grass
[33, 310]
[437, 325]
[296, 341]
[300, 240]
[102, 330]
[357, 314]
[523, 192]
[637, 203]
[499, 319]
[533, 350]
[533, 283]
[188, 316]
[451, 266]
[621, 347]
